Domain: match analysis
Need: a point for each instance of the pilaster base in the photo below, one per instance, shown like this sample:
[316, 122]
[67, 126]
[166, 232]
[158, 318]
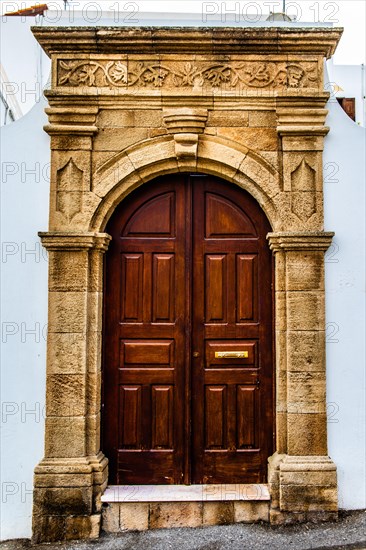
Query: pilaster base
[303, 488]
[67, 498]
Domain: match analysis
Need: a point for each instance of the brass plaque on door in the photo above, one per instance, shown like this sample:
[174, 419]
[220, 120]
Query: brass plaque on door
[231, 354]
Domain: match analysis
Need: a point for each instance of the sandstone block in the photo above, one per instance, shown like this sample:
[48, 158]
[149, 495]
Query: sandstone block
[58, 501]
[110, 517]
[175, 514]
[227, 118]
[66, 395]
[218, 513]
[134, 516]
[67, 312]
[118, 139]
[258, 139]
[68, 270]
[251, 512]
[307, 434]
[66, 353]
[65, 437]
[266, 119]
[305, 270]
[305, 310]
[306, 350]
[48, 529]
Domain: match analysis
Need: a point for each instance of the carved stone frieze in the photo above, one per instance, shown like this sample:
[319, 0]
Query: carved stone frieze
[125, 73]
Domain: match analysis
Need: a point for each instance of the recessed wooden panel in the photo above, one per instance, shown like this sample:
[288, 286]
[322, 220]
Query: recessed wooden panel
[246, 265]
[130, 417]
[246, 397]
[226, 219]
[163, 287]
[147, 352]
[132, 285]
[155, 217]
[162, 417]
[215, 416]
[216, 288]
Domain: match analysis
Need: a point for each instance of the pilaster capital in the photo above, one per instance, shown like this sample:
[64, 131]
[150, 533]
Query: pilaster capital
[55, 240]
[307, 240]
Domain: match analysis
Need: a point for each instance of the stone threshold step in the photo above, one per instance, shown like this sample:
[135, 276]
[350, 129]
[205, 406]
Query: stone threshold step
[186, 493]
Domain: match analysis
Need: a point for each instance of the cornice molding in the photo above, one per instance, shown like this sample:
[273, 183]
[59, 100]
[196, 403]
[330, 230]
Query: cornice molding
[321, 41]
[55, 240]
[309, 240]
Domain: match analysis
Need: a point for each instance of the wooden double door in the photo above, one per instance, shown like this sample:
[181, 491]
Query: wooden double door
[187, 387]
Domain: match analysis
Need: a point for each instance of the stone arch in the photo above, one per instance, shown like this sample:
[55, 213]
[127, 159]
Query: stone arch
[151, 158]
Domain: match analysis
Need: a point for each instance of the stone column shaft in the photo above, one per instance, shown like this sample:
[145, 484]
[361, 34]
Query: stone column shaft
[72, 475]
[301, 400]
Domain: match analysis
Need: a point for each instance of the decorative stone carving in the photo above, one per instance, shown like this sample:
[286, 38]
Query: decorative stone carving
[126, 74]
[69, 199]
[185, 124]
[303, 186]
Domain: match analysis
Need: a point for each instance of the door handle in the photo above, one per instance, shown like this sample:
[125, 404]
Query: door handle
[196, 354]
[231, 354]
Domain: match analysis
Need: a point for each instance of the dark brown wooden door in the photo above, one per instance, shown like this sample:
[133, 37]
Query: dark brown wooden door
[187, 388]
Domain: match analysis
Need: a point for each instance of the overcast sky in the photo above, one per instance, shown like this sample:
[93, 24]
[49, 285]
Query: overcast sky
[349, 14]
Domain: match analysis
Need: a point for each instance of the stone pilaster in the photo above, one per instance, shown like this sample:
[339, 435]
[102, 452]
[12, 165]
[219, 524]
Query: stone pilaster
[303, 476]
[71, 477]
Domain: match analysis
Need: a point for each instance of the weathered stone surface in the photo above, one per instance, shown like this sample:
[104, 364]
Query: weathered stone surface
[117, 139]
[307, 433]
[251, 512]
[110, 517]
[68, 271]
[134, 516]
[65, 501]
[48, 528]
[67, 312]
[305, 271]
[66, 395]
[230, 118]
[259, 139]
[66, 352]
[306, 350]
[306, 498]
[218, 513]
[65, 437]
[264, 119]
[305, 310]
[175, 514]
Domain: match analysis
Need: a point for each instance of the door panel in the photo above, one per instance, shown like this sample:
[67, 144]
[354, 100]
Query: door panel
[188, 336]
[232, 314]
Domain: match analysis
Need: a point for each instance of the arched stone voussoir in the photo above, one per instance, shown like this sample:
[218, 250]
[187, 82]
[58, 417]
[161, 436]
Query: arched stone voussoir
[155, 157]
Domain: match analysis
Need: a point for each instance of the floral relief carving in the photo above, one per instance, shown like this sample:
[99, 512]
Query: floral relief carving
[252, 74]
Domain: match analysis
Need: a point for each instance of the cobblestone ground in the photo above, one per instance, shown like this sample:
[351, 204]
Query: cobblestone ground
[348, 532]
